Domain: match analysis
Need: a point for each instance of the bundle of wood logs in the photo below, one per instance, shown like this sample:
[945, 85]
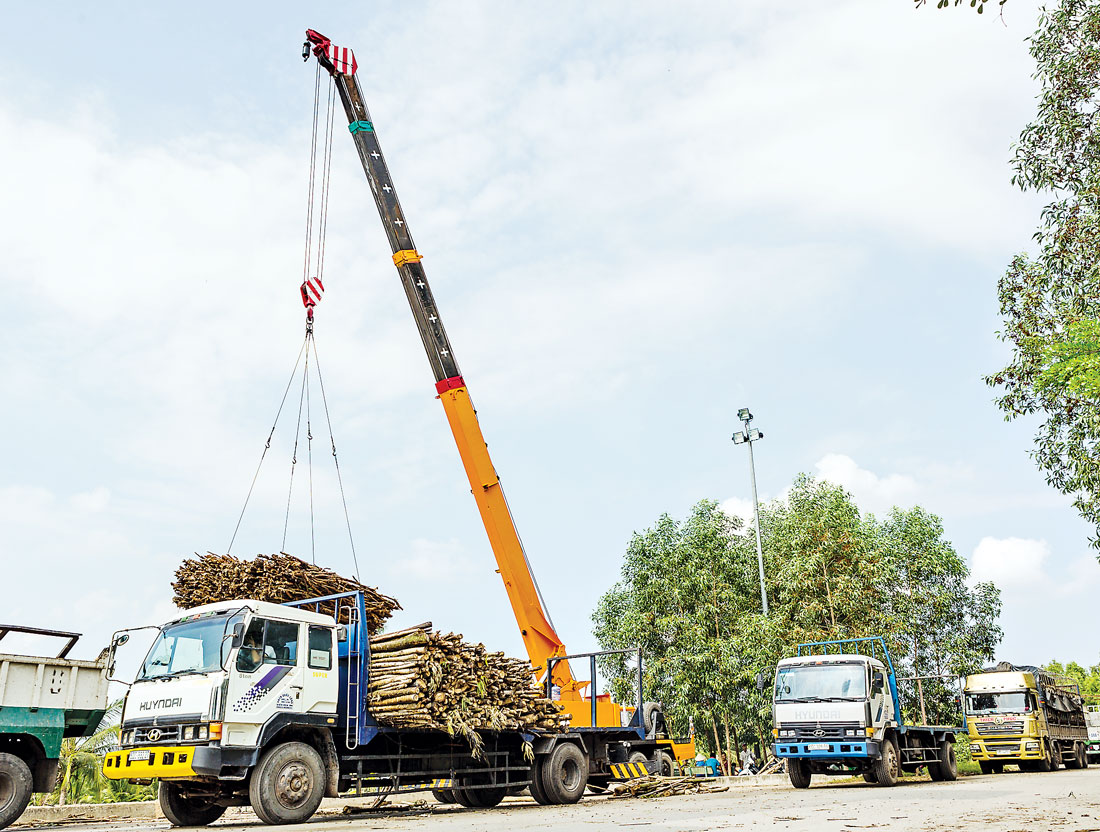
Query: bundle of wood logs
[425, 679]
[279, 578]
[663, 787]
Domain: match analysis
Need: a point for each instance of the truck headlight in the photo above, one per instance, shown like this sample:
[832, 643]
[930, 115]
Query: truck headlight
[189, 732]
[1032, 746]
[851, 732]
[202, 732]
[975, 747]
[787, 733]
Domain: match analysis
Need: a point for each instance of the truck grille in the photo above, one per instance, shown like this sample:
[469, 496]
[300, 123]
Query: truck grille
[809, 731]
[156, 734]
[1009, 726]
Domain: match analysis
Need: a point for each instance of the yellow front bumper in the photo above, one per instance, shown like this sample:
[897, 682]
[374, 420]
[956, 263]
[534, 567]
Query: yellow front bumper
[1006, 750]
[155, 761]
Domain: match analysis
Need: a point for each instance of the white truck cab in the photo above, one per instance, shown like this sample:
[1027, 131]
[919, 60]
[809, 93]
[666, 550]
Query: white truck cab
[218, 683]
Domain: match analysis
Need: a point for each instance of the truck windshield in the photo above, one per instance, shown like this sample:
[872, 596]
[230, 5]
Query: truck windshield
[1015, 702]
[198, 646]
[808, 683]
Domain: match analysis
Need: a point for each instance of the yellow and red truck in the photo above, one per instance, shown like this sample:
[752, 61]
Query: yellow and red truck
[1027, 717]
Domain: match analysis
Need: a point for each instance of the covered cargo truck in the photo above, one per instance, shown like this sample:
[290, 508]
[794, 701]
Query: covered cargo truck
[1025, 716]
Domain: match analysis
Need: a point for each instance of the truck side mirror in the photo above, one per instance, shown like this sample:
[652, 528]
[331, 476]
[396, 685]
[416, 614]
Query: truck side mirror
[761, 681]
[878, 683]
[121, 639]
[238, 634]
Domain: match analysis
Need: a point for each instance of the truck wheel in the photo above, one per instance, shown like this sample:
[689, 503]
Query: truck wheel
[565, 774]
[665, 766]
[182, 809]
[481, 798]
[1049, 761]
[443, 795]
[888, 766]
[947, 768]
[651, 716]
[16, 784]
[288, 784]
[988, 767]
[799, 772]
[638, 759]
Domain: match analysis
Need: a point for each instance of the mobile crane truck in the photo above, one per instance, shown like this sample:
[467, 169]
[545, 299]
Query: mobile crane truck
[836, 711]
[219, 732]
[589, 710]
[1025, 716]
[43, 700]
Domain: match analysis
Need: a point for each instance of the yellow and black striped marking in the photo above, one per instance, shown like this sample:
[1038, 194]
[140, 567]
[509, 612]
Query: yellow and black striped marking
[628, 771]
[442, 784]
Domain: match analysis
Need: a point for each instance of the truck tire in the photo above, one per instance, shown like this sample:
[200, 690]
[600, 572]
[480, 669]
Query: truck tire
[947, 769]
[651, 715]
[665, 765]
[1049, 761]
[288, 784]
[16, 785]
[536, 789]
[443, 795]
[565, 774]
[183, 810]
[462, 797]
[481, 798]
[888, 765]
[799, 772]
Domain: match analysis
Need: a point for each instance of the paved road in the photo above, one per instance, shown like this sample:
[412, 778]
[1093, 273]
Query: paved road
[1009, 802]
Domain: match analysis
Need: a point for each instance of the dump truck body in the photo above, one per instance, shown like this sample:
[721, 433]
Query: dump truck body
[43, 700]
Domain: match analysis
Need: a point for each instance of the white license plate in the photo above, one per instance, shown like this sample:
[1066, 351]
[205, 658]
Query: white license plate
[1007, 751]
[818, 746]
[135, 756]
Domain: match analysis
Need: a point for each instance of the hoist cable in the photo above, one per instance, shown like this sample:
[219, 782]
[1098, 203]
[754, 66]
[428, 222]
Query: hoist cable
[326, 170]
[335, 458]
[267, 445]
[294, 454]
[309, 456]
[312, 176]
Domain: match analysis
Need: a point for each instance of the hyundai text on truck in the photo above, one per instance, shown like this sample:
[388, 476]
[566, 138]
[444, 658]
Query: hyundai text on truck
[836, 711]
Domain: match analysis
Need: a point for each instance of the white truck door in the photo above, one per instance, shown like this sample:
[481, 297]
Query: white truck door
[881, 712]
[266, 677]
[321, 681]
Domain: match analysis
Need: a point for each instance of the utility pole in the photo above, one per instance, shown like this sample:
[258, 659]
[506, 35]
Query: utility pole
[746, 436]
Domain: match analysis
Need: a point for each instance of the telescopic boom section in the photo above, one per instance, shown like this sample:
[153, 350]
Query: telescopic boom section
[538, 633]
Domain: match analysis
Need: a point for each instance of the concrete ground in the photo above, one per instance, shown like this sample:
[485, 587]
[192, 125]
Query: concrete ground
[1009, 802]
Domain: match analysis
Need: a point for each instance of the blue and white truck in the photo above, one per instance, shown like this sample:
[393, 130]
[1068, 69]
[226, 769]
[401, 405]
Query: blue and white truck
[836, 711]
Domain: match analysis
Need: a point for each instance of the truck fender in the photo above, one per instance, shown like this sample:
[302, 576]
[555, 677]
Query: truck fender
[29, 749]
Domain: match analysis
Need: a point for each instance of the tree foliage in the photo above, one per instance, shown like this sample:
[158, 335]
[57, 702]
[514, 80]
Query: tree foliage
[1051, 302]
[689, 596]
[977, 5]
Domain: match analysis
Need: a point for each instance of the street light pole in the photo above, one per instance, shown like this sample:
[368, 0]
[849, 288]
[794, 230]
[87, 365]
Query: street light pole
[747, 436]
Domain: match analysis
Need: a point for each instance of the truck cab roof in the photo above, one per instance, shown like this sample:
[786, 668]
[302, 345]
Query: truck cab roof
[832, 658]
[264, 608]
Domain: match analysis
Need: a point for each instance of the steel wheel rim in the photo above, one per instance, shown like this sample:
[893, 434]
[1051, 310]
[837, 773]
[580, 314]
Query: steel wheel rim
[570, 774]
[892, 761]
[294, 784]
[7, 790]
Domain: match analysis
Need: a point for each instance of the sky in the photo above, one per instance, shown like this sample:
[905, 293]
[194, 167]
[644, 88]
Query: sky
[636, 219]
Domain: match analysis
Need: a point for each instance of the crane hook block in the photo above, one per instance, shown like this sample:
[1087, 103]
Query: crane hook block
[406, 255]
[312, 290]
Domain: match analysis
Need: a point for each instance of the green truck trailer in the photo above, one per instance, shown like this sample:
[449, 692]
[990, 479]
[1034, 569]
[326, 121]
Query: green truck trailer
[43, 700]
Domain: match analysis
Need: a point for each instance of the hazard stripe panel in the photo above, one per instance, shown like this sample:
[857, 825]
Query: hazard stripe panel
[628, 771]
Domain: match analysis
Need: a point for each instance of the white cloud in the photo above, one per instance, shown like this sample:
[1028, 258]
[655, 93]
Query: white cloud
[872, 492]
[1011, 562]
[434, 561]
[737, 507]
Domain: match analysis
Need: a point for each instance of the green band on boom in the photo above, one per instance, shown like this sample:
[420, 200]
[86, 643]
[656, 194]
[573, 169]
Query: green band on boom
[361, 127]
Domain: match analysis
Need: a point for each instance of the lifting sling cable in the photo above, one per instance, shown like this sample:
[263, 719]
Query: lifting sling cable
[311, 290]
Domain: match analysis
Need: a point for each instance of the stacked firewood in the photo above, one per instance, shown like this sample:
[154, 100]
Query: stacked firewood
[425, 679]
[208, 578]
